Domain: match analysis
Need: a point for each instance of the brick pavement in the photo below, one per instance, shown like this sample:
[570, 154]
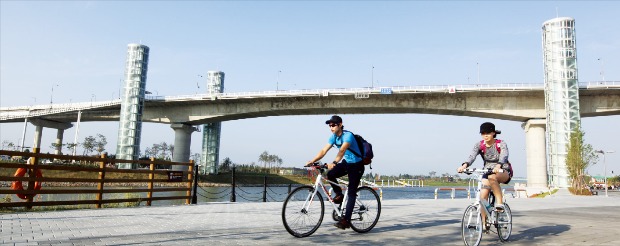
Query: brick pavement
[556, 220]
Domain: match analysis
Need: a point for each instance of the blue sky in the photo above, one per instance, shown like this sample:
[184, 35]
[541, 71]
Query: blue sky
[78, 48]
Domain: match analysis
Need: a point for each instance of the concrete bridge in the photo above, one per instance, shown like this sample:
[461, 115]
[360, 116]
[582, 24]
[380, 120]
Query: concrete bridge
[516, 102]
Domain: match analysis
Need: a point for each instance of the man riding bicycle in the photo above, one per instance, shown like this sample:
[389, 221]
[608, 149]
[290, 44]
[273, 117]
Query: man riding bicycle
[351, 164]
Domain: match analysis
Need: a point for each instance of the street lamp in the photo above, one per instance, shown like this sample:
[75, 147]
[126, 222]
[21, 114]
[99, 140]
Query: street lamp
[278, 80]
[603, 152]
[602, 69]
[52, 95]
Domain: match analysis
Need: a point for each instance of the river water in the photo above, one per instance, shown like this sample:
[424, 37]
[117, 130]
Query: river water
[256, 194]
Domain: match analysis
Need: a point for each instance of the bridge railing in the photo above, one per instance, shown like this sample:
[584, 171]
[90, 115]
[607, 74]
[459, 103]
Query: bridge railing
[38, 110]
[600, 84]
[353, 91]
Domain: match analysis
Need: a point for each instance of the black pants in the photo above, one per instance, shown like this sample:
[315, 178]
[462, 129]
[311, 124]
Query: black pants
[355, 172]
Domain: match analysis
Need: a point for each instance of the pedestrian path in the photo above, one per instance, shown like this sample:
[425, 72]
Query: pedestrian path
[555, 220]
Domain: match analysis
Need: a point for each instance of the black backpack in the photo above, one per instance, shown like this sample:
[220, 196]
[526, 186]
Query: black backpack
[366, 149]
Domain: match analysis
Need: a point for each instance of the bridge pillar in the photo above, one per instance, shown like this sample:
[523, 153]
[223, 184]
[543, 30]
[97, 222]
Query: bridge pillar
[38, 131]
[59, 135]
[182, 143]
[60, 126]
[536, 154]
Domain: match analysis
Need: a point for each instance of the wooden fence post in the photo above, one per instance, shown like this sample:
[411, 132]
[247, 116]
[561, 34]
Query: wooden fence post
[31, 174]
[101, 181]
[149, 195]
[195, 189]
[190, 179]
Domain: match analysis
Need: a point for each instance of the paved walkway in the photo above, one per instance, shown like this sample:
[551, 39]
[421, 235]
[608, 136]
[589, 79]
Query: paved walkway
[557, 220]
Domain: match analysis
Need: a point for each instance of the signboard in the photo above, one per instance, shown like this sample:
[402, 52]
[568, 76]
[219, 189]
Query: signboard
[386, 90]
[451, 89]
[175, 176]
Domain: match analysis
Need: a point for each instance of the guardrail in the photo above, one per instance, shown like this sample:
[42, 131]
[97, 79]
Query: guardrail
[102, 176]
[39, 110]
[453, 192]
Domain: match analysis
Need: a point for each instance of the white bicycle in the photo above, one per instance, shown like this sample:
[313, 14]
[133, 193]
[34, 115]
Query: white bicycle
[471, 224]
[303, 209]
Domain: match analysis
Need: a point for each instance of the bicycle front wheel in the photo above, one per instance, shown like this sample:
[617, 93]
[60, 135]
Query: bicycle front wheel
[471, 226]
[504, 224]
[366, 211]
[302, 213]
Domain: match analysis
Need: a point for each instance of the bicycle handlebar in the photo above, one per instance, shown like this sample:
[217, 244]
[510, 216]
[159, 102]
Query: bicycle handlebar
[316, 165]
[480, 170]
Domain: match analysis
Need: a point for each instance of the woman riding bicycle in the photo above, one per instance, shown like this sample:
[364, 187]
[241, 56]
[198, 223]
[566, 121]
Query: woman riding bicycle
[494, 153]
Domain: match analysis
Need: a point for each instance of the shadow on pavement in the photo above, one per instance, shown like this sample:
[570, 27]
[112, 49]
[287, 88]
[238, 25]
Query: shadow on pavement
[538, 232]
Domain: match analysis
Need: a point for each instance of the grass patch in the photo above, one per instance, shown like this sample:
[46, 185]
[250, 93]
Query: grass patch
[544, 194]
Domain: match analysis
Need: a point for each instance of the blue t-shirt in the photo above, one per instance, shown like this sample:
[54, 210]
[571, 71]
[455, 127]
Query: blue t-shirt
[348, 137]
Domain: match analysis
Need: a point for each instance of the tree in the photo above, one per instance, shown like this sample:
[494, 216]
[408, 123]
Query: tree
[100, 143]
[432, 173]
[226, 165]
[579, 157]
[195, 157]
[264, 158]
[71, 146]
[8, 145]
[89, 144]
[161, 151]
[270, 160]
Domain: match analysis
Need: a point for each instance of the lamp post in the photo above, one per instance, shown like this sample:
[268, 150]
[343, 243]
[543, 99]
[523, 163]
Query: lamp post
[603, 152]
[372, 77]
[278, 80]
[602, 69]
[52, 94]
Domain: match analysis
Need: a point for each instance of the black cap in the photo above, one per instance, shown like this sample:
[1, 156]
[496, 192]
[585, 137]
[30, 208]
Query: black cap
[488, 127]
[334, 119]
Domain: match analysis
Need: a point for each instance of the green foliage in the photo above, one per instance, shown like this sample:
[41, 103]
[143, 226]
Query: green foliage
[579, 157]
[226, 165]
[270, 160]
[8, 145]
[100, 143]
[161, 151]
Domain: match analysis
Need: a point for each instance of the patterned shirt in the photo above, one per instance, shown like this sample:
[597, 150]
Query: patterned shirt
[491, 157]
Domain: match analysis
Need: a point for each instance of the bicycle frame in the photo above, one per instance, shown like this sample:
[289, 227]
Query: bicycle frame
[479, 202]
[319, 183]
[490, 213]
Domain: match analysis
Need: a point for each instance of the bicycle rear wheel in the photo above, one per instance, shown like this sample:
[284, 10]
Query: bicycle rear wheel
[471, 226]
[300, 215]
[366, 211]
[504, 224]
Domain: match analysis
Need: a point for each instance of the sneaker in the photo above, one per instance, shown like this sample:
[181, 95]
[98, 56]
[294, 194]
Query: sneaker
[343, 224]
[499, 208]
[338, 199]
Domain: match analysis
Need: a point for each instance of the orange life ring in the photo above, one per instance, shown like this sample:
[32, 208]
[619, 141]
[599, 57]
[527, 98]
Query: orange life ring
[17, 185]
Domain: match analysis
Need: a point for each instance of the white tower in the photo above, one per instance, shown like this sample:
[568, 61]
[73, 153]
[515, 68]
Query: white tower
[132, 104]
[561, 94]
[211, 132]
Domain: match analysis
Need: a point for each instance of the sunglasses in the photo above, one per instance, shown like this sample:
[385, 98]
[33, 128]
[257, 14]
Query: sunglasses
[332, 125]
